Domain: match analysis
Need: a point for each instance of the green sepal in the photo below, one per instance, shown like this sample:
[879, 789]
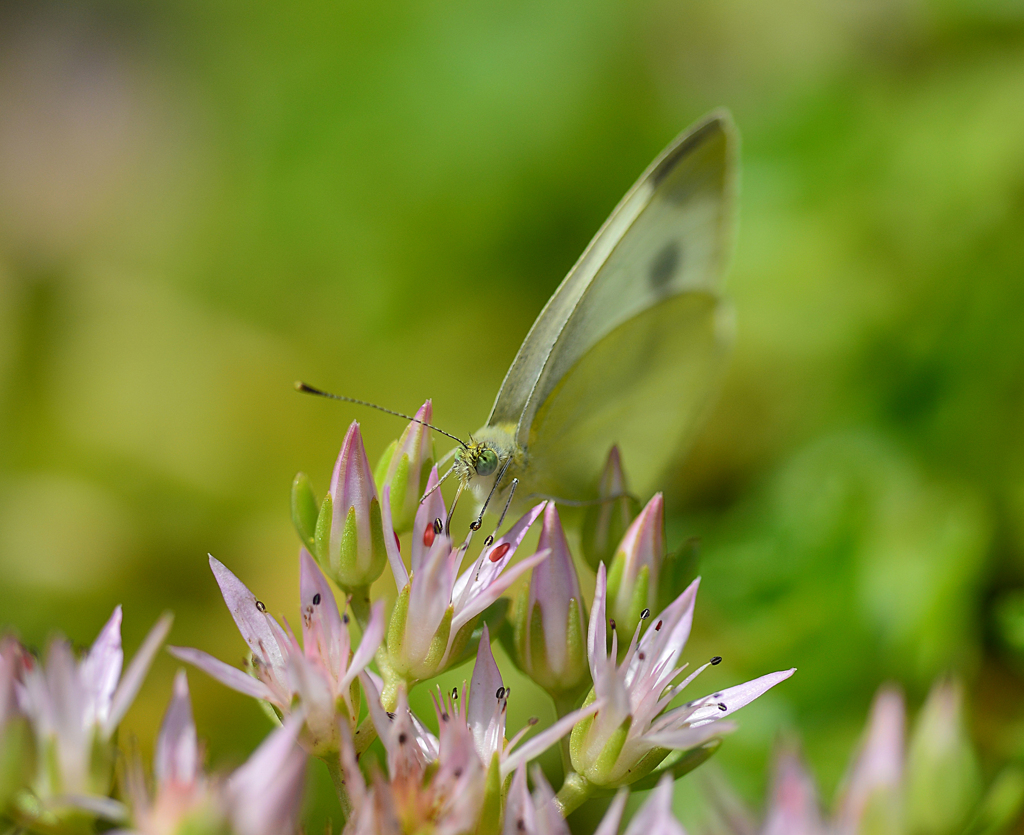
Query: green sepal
[322, 536]
[605, 763]
[465, 643]
[304, 510]
[489, 822]
[576, 648]
[380, 472]
[396, 631]
[615, 572]
[637, 603]
[400, 517]
[429, 665]
[379, 554]
[579, 733]
[347, 558]
[540, 671]
[348, 572]
[676, 763]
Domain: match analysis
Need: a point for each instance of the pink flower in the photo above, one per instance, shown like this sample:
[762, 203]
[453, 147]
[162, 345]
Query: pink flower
[550, 623]
[320, 676]
[635, 729]
[437, 607]
[404, 468]
[262, 797]
[74, 708]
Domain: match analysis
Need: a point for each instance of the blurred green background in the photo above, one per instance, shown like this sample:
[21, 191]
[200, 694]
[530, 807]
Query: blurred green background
[203, 201]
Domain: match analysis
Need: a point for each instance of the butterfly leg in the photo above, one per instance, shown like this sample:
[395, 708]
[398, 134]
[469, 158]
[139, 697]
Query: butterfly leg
[451, 512]
[479, 521]
[508, 502]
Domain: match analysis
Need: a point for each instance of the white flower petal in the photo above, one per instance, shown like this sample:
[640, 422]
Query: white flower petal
[136, 672]
[249, 615]
[177, 749]
[225, 673]
[390, 543]
[368, 646]
[101, 668]
[655, 816]
[323, 633]
[728, 701]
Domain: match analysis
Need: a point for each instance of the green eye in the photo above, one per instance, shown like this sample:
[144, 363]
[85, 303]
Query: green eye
[487, 462]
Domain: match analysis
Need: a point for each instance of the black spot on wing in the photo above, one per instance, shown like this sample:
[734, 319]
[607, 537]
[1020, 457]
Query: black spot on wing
[665, 266]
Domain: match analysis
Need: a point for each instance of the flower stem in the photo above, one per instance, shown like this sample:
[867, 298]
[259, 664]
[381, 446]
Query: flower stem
[360, 603]
[338, 777]
[574, 792]
[563, 705]
[364, 735]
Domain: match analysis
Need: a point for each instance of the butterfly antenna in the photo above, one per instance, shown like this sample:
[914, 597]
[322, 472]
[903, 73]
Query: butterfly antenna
[308, 389]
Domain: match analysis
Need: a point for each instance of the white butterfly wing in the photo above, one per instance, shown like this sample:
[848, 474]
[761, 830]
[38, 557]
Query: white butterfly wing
[607, 343]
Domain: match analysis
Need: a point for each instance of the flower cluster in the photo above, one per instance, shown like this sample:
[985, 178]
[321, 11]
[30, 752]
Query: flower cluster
[339, 688]
[933, 784]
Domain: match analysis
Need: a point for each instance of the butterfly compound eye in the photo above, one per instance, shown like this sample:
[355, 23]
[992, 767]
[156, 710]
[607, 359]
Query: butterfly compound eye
[487, 462]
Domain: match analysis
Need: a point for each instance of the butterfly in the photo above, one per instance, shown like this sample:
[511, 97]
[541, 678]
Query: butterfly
[630, 348]
[628, 351]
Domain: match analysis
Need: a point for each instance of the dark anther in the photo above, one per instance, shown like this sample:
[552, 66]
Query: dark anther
[344, 618]
[533, 720]
[641, 656]
[391, 716]
[455, 692]
[444, 717]
[657, 626]
[475, 525]
[316, 599]
[260, 607]
[721, 706]
[646, 613]
[500, 693]
[402, 739]
[438, 526]
[489, 541]
[611, 623]
[716, 660]
[520, 824]
[458, 773]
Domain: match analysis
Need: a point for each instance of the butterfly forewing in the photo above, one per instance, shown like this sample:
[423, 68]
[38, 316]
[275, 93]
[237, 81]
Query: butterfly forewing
[669, 237]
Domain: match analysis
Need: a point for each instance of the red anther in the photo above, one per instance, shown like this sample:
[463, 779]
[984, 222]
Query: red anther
[398, 543]
[428, 535]
[499, 552]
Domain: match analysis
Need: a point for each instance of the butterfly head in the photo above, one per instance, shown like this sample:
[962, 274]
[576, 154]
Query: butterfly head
[490, 453]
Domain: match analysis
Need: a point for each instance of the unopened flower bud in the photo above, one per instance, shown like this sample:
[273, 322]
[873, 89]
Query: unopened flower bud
[349, 535]
[943, 779]
[404, 466]
[304, 510]
[635, 569]
[550, 626]
[606, 522]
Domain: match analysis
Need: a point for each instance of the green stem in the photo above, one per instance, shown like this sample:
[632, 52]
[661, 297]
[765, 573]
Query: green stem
[338, 777]
[364, 736]
[360, 603]
[574, 792]
[564, 704]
